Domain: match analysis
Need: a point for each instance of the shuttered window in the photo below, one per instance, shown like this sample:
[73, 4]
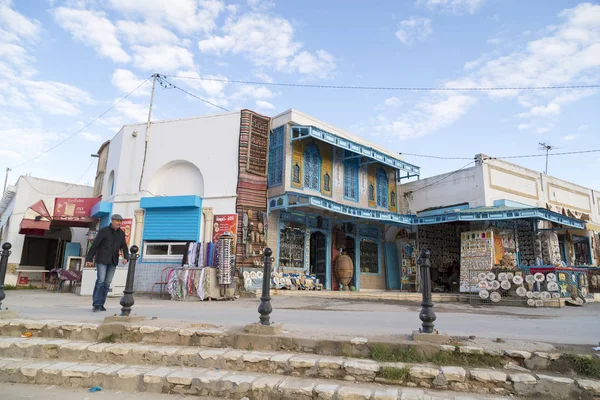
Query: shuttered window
[175, 218]
[312, 167]
[276, 157]
[351, 179]
[382, 188]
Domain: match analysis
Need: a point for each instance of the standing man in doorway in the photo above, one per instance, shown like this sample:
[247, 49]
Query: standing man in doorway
[105, 248]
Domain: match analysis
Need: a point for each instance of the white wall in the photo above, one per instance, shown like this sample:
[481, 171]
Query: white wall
[194, 156]
[29, 191]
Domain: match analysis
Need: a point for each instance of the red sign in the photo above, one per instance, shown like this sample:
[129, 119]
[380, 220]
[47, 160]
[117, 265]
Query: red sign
[225, 223]
[126, 226]
[74, 209]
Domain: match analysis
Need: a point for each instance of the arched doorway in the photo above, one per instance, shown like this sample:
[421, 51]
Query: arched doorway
[318, 255]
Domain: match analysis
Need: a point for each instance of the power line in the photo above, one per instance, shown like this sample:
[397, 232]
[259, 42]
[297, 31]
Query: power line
[399, 88]
[85, 127]
[436, 157]
[502, 157]
[168, 85]
[66, 190]
[439, 180]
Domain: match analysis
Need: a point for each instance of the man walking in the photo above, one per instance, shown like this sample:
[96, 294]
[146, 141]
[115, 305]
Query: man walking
[106, 248]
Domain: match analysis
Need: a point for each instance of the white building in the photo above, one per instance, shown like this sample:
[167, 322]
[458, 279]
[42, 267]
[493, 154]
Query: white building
[38, 251]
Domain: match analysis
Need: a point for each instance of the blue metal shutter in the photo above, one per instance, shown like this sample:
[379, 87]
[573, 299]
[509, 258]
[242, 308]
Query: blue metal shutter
[351, 179]
[104, 221]
[173, 224]
[382, 188]
[275, 175]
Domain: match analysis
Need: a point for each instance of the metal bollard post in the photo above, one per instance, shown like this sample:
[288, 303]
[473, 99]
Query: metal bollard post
[127, 300]
[3, 264]
[264, 309]
[427, 314]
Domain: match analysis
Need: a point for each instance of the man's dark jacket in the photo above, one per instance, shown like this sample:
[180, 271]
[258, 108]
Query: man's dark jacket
[106, 246]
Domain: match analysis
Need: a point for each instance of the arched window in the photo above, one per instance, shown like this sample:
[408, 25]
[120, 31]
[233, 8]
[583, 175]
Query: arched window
[327, 182]
[351, 179]
[382, 188]
[392, 199]
[371, 192]
[312, 167]
[296, 173]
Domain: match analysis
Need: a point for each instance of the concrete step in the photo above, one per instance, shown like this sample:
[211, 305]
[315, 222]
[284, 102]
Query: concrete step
[300, 365]
[206, 382]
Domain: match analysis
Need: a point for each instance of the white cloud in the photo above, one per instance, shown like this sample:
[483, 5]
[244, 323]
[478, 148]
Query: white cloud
[187, 16]
[17, 24]
[414, 29]
[262, 105]
[162, 58]
[126, 81]
[457, 7]
[146, 33]
[263, 77]
[253, 92]
[94, 29]
[214, 89]
[268, 41]
[537, 128]
[583, 128]
[56, 98]
[91, 136]
[569, 138]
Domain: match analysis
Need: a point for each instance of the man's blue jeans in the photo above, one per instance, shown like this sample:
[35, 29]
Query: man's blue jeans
[104, 277]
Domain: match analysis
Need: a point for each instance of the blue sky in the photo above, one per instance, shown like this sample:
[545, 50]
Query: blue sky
[62, 63]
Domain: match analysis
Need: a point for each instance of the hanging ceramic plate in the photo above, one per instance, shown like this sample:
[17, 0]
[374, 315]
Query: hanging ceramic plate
[521, 291]
[276, 281]
[248, 282]
[510, 276]
[537, 295]
[529, 295]
[246, 274]
[484, 294]
[546, 295]
[518, 280]
[529, 279]
[495, 297]
[489, 286]
[491, 276]
[482, 276]
[482, 285]
[495, 285]
[259, 275]
[539, 277]
[539, 303]
[505, 285]
[556, 295]
[253, 274]
[553, 287]
[531, 302]
[551, 277]
[584, 292]
[502, 276]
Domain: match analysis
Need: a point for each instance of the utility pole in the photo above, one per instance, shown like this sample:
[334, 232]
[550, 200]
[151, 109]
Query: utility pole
[547, 147]
[6, 179]
[155, 76]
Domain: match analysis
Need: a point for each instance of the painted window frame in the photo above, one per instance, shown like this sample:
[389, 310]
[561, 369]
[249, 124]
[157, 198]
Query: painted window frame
[327, 182]
[381, 188]
[276, 157]
[169, 255]
[377, 243]
[313, 151]
[347, 165]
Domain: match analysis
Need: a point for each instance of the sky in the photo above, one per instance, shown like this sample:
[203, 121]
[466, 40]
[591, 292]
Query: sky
[63, 63]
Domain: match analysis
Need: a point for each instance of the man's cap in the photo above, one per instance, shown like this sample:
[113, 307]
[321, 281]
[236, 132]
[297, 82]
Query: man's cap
[117, 217]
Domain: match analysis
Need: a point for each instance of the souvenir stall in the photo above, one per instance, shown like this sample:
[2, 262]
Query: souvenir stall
[406, 245]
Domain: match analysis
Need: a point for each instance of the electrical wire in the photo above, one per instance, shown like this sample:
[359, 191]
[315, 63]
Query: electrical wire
[503, 157]
[168, 85]
[400, 88]
[85, 127]
[436, 157]
[64, 191]
[439, 180]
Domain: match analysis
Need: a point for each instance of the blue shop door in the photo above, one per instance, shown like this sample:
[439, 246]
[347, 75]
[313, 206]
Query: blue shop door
[71, 250]
[392, 269]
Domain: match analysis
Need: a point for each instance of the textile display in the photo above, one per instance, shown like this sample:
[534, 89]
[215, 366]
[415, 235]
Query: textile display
[188, 282]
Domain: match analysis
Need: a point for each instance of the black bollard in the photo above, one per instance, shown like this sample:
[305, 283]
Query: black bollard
[265, 309]
[427, 315]
[127, 300]
[3, 264]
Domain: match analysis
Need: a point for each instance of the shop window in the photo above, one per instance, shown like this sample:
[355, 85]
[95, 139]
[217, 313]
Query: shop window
[351, 179]
[392, 199]
[291, 247]
[296, 173]
[164, 250]
[327, 182]
[371, 192]
[581, 245]
[369, 257]
[276, 157]
[312, 167]
[382, 188]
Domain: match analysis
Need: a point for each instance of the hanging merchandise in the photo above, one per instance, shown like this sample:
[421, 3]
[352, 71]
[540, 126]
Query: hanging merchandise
[547, 248]
[477, 253]
[525, 240]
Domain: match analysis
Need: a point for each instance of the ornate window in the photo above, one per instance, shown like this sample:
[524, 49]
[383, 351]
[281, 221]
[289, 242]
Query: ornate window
[296, 173]
[276, 157]
[392, 199]
[351, 179]
[312, 167]
[371, 192]
[382, 188]
[327, 182]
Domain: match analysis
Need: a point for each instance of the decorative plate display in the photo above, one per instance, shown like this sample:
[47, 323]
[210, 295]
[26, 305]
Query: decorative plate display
[531, 302]
[491, 276]
[484, 294]
[510, 276]
[551, 277]
[495, 297]
[529, 279]
[553, 287]
[482, 276]
[248, 282]
[505, 285]
[521, 291]
[539, 277]
[537, 295]
[518, 280]
[276, 281]
[489, 286]
[529, 295]
[253, 274]
[539, 303]
[556, 295]
[584, 292]
[483, 285]
[495, 285]
[546, 295]
[246, 274]
[502, 276]
[259, 275]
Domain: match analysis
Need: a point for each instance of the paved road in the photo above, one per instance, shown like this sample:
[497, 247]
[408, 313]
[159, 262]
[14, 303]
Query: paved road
[321, 317]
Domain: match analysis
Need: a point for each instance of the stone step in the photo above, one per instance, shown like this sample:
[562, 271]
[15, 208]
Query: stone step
[207, 382]
[299, 365]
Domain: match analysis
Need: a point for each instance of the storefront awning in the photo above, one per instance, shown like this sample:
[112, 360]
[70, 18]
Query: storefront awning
[44, 214]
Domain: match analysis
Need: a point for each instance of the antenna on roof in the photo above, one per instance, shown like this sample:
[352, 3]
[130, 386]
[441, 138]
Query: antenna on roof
[546, 147]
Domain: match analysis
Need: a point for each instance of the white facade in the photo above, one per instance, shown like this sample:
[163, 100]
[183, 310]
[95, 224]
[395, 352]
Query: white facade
[27, 191]
[194, 156]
